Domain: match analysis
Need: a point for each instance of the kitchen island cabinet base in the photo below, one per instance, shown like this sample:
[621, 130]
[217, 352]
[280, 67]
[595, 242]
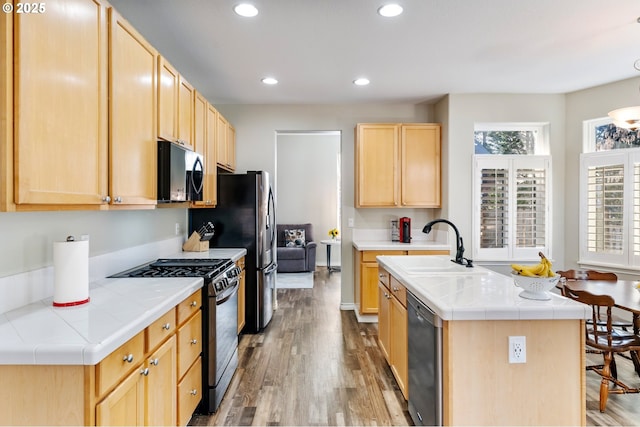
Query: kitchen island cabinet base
[485, 389]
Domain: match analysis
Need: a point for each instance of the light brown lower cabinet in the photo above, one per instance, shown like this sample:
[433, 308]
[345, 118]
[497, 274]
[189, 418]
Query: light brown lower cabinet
[137, 384]
[366, 276]
[392, 327]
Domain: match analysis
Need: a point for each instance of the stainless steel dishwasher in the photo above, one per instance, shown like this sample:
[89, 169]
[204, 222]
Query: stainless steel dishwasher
[425, 363]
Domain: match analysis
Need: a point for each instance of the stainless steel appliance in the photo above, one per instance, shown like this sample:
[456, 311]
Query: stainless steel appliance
[219, 317]
[425, 363]
[180, 173]
[245, 218]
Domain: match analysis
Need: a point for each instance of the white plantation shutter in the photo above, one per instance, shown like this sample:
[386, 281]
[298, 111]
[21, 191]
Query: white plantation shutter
[512, 204]
[610, 208]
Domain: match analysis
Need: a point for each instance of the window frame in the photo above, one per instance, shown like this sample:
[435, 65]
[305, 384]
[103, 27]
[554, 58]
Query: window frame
[542, 138]
[511, 162]
[628, 259]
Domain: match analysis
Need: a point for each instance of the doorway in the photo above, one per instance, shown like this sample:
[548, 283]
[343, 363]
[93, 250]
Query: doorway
[308, 184]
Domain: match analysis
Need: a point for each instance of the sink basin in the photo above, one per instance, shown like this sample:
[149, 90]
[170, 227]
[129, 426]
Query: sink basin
[434, 265]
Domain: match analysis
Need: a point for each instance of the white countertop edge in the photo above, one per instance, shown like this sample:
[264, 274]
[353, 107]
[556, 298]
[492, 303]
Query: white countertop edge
[558, 307]
[381, 245]
[81, 351]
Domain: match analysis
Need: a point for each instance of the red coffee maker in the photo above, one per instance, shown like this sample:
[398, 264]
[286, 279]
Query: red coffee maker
[405, 229]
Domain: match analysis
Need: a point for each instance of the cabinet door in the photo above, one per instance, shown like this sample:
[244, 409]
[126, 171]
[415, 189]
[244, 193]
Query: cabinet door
[377, 161]
[124, 406]
[398, 345]
[189, 343]
[383, 320]
[221, 142]
[161, 385]
[369, 292]
[200, 137]
[186, 104]
[168, 82]
[133, 115]
[420, 165]
[60, 105]
[189, 392]
[231, 147]
[210, 195]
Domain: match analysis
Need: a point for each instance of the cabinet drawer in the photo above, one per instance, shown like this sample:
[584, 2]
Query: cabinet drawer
[399, 291]
[370, 256]
[119, 363]
[383, 277]
[189, 306]
[189, 343]
[161, 329]
[189, 393]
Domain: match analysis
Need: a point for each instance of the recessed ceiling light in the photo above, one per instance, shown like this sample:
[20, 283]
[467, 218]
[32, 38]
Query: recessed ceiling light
[246, 9]
[390, 10]
[269, 81]
[361, 81]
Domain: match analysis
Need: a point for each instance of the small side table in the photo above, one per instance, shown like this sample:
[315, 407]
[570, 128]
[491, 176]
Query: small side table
[328, 243]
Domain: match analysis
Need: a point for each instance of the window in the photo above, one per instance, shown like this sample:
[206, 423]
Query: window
[512, 191]
[610, 208]
[603, 135]
[512, 207]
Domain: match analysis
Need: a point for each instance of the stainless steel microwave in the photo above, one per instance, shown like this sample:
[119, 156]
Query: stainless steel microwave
[180, 173]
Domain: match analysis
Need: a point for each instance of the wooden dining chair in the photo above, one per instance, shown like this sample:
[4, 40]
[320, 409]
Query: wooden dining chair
[587, 275]
[604, 340]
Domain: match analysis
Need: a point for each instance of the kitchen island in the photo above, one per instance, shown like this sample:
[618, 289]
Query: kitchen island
[480, 310]
[137, 341]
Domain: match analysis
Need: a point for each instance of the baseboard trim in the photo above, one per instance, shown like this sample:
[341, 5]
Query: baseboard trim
[347, 306]
[366, 318]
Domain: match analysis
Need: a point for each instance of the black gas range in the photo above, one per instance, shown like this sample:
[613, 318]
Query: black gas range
[214, 271]
[219, 316]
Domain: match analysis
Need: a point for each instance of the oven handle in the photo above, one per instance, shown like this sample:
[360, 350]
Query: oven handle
[230, 293]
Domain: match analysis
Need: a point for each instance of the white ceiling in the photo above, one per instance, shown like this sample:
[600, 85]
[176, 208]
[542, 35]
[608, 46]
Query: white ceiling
[316, 48]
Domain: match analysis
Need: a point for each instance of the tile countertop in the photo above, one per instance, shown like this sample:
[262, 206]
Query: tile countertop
[485, 296]
[40, 334]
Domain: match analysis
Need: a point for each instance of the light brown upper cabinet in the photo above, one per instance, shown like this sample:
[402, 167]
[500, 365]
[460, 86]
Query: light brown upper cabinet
[186, 105]
[168, 81]
[397, 165]
[226, 144]
[176, 105]
[132, 116]
[60, 104]
[205, 121]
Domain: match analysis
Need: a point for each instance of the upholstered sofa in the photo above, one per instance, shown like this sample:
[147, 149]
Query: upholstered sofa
[300, 255]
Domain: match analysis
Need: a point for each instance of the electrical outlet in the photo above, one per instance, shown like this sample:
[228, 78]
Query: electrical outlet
[517, 349]
[350, 222]
[177, 228]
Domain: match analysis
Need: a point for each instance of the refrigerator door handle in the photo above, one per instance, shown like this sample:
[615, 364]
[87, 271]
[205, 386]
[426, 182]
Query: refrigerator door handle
[273, 267]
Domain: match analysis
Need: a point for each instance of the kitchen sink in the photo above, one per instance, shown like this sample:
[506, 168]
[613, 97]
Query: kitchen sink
[434, 265]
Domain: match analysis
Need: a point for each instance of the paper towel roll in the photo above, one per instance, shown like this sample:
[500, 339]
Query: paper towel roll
[71, 273]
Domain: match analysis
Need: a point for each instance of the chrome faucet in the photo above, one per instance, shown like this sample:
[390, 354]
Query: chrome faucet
[460, 259]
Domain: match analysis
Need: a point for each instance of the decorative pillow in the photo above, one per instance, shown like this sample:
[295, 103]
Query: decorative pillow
[294, 238]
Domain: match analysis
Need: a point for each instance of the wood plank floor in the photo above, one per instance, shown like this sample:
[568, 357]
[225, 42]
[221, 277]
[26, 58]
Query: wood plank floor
[316, 365]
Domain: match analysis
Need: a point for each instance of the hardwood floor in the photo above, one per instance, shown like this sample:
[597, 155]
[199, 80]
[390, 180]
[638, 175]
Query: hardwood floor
[316, 365]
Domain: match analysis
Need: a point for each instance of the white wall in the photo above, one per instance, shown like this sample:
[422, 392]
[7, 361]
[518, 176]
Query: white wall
[26, 238]
[256, 127]
[583, 105]
[459, 113]
[306, 186]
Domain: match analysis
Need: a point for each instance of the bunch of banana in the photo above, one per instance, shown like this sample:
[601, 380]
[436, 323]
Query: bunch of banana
[543, 269]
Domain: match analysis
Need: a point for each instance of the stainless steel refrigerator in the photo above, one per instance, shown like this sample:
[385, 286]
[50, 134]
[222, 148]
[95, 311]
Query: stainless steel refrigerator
[245, 217]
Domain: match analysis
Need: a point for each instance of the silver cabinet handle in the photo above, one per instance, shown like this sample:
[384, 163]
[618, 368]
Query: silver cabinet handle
[106, 199]
[380, 275]
[128, 358]
[154, 362]
[194, 303]
[144, 371]
[194, 392]
[395, 289]
[118, 199]
[166, 326]
[194, 341]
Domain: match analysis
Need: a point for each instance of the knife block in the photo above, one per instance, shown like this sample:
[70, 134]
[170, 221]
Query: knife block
[193, 244]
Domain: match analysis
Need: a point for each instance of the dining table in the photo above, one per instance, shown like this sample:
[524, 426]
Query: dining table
[626, 296]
